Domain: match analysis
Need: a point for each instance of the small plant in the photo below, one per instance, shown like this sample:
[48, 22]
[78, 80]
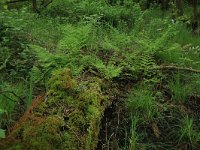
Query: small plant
[170, 55]
[142, 102]
[180, 91]
[196, 83]
[134, 135]
[2, 133]
[187, 132]
[185, 36]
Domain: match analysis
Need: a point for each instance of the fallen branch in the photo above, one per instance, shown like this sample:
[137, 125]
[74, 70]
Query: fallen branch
[195, 96]
[15, 1]
[176, 68]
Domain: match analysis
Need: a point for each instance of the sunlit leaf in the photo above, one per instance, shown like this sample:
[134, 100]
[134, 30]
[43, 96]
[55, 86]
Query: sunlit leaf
[2, 133]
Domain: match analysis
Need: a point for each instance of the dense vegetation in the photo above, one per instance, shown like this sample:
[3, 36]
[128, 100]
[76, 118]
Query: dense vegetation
[100, 74]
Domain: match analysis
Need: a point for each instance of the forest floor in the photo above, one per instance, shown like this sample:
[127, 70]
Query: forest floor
[110, 81]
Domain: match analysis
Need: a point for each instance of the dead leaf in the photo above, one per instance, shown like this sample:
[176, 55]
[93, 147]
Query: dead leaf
[156, 130]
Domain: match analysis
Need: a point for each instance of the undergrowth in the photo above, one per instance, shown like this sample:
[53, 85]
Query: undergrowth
[101, 43]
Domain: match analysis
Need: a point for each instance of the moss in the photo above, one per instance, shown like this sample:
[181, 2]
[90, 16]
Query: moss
[76, 119]
[68, 144]
[93, 100]
[36, 133]
[62, 80]
[44, 135]
[68, 118]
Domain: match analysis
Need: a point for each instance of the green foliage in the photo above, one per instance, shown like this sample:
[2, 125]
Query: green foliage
[185, 36]
[172, 55]
[9, 97]
[118, 41]
[14, 73]
[16, 19]
[191, 56]
[2, 133]
[196, 84]
[74, 38]
[180, 91]
[61, 80]
[83, 104]
[188, 132]
[14, 56]
[142, 103]
[134, 135]
[28, 26]
[111, 14]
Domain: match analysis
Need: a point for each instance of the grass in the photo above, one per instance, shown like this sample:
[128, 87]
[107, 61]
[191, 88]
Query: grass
[10, 96]
[185, 36]
[14, 96]
[196, 83]
[134, 135]
[187, 132]
[169, 55]
[180, 92]
[141, 102]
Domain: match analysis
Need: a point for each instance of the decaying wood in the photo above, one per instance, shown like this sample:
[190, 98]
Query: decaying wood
[176, 69]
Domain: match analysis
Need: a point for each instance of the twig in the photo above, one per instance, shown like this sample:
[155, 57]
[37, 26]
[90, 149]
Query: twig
[118, 121]
[176, 68]
[109, 140]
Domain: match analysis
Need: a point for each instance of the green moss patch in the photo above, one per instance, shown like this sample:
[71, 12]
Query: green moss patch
[67, 118]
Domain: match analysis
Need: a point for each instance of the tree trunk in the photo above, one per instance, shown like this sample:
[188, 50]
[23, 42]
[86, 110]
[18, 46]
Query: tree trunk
[164, 4]
[194, 4]
[195, 18]
[179, 5]
[34, 4]
[146, 4]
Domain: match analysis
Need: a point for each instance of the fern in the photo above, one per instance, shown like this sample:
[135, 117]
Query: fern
[74, 38]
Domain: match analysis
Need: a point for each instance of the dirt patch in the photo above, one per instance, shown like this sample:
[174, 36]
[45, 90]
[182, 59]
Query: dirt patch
[114, 122]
